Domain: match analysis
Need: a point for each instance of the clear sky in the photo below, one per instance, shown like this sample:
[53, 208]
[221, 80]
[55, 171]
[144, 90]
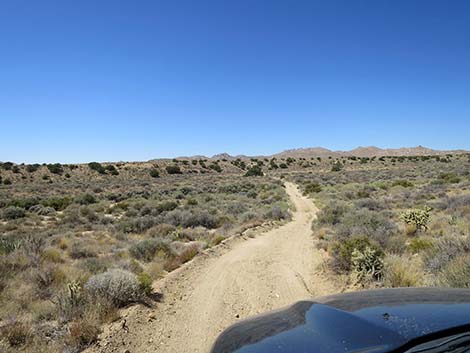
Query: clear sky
[84, 80]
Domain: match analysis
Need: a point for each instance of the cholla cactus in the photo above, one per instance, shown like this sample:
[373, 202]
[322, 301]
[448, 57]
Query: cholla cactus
[417, 217]
[69, 301]
[367, 263]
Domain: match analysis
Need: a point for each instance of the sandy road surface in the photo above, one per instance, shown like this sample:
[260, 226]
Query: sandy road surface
[243, 277]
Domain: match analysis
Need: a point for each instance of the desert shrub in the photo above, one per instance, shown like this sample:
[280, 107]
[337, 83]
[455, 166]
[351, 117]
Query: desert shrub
[145, 283]
[117, 286]
[332, 213]
[42, 210]
[370, 204]
[83, 332]
[367, 263]
[375, 225]
[444, 250]
[188, 254]
[217, 239]
[456, 274]
[8, 245]
[6, 165]
[458, 202]
[55, 168]
[86, 199]
[191, 219]
[57, 203]
[51, 255]
[277, 213]
[420, 244]
[402, 183]
[341, 252]
[312, 188]
[173, 169]
[191, 202]
[161, 230]
[12, 212]
[46, 277]
[401, 271]
[166, 206]
[97, 167]
[81, 251]
[337, 166]
[254, 171]
[95, 265]
[216, 167]
[111, 169]
[417, 217]
[25, 203]
[17, 333]
[396, 244]
[449, 178]
[147, 249]
[154, 173]
[137, 225]
[283, 166]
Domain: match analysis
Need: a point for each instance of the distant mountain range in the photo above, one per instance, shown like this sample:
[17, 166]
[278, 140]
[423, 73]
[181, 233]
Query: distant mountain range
[369, 151]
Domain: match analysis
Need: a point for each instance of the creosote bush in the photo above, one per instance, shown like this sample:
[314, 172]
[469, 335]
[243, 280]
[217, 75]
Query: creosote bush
[173, 169]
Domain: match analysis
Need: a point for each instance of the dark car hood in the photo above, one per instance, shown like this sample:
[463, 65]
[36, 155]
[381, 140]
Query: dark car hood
[369, 321]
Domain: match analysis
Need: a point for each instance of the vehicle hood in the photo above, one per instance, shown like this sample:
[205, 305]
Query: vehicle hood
[373, 321]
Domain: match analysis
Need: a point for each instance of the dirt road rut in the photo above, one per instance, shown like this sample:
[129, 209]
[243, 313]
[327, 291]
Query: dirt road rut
[242, 278]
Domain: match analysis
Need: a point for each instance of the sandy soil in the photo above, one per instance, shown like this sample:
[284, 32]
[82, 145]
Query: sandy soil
[242, 277]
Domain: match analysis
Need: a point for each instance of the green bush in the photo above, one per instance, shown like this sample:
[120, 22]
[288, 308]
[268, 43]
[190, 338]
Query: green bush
[154, 173]
[31, 168]
[254, 171]
[13, 212]
[111, 169]
[57, 203]
[402, 183]
[342, 252]
[86, 199]
[449, 178]
[55, 168]
[420, 244]
[216, 167]
[312, 188]
[173, 169]
[147, 249]
[97, 167]
[145, 283]
[6, 165]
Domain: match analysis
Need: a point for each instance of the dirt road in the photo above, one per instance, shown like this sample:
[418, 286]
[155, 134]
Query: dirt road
[241, 278]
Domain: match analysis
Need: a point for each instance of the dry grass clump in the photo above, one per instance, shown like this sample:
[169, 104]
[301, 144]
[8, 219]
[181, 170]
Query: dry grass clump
[402, 271]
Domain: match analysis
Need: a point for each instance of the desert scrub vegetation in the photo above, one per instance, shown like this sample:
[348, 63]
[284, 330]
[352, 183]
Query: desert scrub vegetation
[394, 222]
[75, 250]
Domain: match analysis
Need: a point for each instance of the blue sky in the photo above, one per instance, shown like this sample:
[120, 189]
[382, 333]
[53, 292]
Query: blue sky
[134, 80]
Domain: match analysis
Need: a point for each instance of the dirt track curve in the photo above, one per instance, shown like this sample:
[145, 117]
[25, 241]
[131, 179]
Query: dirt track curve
[243, 277]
